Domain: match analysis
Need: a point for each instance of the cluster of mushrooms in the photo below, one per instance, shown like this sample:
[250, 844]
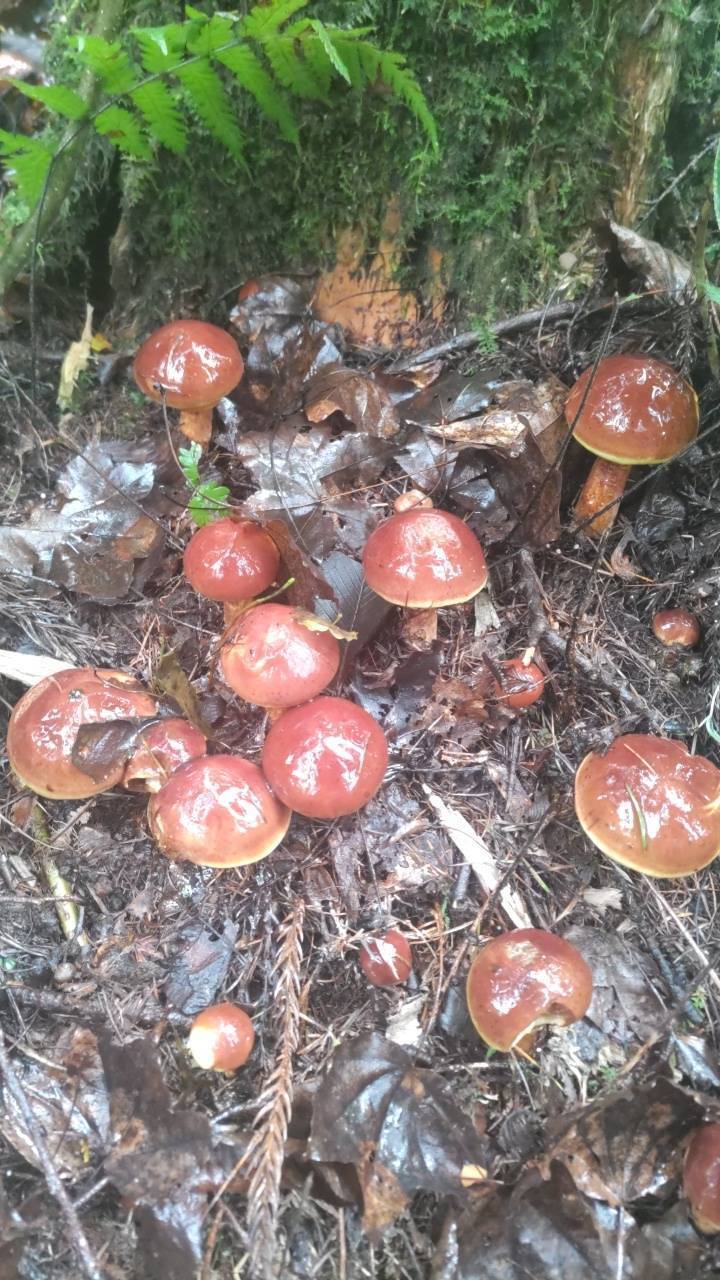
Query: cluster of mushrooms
[646, 803]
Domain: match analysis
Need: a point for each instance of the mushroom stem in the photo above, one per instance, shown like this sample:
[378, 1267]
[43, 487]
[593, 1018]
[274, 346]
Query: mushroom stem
[606, 483]
[196, 424]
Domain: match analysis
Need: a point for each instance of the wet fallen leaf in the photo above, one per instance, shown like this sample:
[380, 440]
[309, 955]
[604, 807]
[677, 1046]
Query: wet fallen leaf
[199, 966]
[360, 610]
[357, 396]
[102, 750]
[170, 679]
[624, 1005]
[77, 358]
[697, 1060]
[308, 581]
[396, 1123]
[660, 268]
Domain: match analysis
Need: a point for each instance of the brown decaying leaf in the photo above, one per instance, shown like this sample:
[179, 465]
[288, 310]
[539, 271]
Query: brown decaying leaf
[624, 1005]
[102, 750]
[660, 268]
[357, 395]
[308, 582]
[170, 679]
[360, 610]
[396, 1123]
[198, 967]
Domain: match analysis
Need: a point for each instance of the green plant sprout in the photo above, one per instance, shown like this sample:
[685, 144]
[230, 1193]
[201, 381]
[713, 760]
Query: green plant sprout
[207, 501]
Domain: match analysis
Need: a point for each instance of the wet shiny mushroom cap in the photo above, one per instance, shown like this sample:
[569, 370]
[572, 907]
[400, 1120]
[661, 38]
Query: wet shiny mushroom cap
[231, 560]
[701, 1177]
[522, 683]
[273, 659]
[325, 758]
[217, 811]
[386, 958]
[637, 411]
[161, 749]
[650, 805]
[221, 1038]
[44, 724]
[424, 559]
[524, 979]
[192, 363]
[676, 628]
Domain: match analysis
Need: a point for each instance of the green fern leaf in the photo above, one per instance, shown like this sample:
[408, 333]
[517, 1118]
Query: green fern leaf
[294, 72]
[123, 129]
[28, 161]
[391, 68]
[265, 19]
[109, 61]
[348, 51]
[330, 49]
[207, 95]
[212, 35]
[251, 75]
[65, 102]
[161, 48]
[162, 117]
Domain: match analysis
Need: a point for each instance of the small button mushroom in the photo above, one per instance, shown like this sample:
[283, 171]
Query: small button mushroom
[231, 560]
[650, 805]
[424, 559]
[161, 749]
[386, 958]
[217, 811]
[272, 659]
[221, 1038]
[676, 628]
[701, 1177]
[630, 411]
[525, 979]
[520, 683]
[326, 758]
[410, 499]
[44, 725]
[190, 365]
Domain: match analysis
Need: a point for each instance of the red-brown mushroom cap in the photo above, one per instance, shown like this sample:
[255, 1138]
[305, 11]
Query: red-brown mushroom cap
[45, 722]
[189, 363]
[221, 1038]
[162, 748]
[638, 410]
[676, 628]
[217, 811]
[231, 560]
[424, 559]
[386, 958]
[273, 660]
[650, 805]
[326, 758]
[522, 683]
[524, 979]
[701, 1177]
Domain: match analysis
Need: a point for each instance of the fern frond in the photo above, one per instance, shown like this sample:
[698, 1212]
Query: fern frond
[65, 102]
[348, 51]
[212, 35]
[294, 72]
[207, 95]
[123, 129]
[251, 75]
[109, 61]
[391, 68]
[161, 48]
[329, 49]
[162, 117]
[28, 161]
[266, 19]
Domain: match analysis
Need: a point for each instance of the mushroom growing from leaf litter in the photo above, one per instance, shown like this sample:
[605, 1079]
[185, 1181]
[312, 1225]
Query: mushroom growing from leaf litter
[423, 558]
[217, 811]
[274, 659]
[525, 979]
[676, 628]
[162, 748]
[45, 722]
[386, 958]
[326, 758]
[231, 561]
[630, 411]
[520, 685]
[190, 365]
[221, 1038]
[701, 1177]
[650, 805]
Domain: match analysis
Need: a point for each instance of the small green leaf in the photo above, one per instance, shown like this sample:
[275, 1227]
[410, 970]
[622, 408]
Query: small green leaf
[123, 129]
[640, 817]
[66, 102]
[189, 459]
[208, 502]
[330, 49]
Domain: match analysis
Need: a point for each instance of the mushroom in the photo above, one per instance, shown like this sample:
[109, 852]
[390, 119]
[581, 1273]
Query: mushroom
[273, 659]
[190, 365]
[521, 683]
[701, 1177]
[423, 558]
[650, 805]
[221, 1038]
[161, 749]
[676, 628]
[231, 560]
[632, 410]
[326, 758]
[217, 811]
[525, 979]
[386, 958]
[44, 724]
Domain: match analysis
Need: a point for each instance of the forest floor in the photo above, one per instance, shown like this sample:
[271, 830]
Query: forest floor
[583, 1138]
